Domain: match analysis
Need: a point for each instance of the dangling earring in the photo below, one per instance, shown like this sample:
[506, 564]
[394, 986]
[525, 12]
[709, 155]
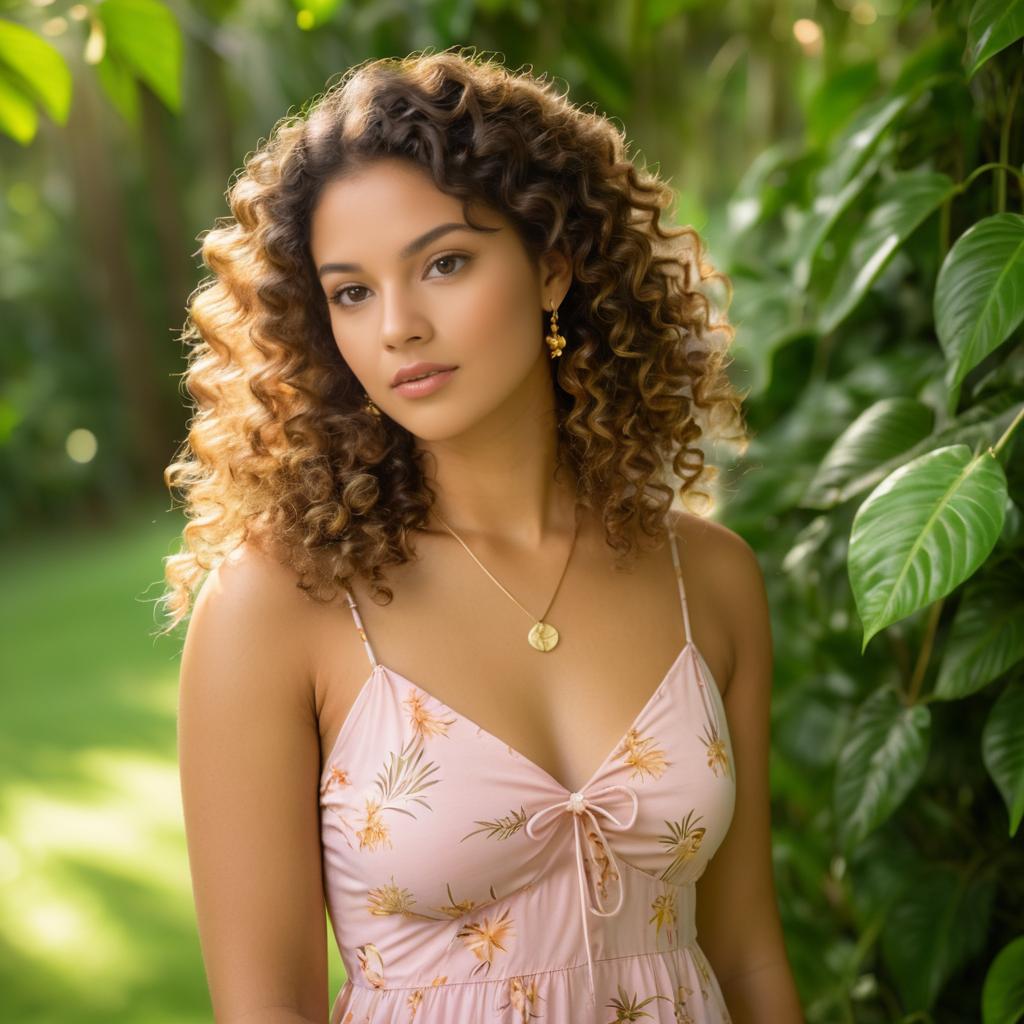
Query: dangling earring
[554, 340]
[370, 407]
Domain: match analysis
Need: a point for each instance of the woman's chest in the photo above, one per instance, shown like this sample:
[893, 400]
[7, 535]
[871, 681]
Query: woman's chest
[413, 790]
[462, 642]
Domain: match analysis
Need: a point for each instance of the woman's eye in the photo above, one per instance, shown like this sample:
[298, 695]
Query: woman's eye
[448, 259]
[336, 298]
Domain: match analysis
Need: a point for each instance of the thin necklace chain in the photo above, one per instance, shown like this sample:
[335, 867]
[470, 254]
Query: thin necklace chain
[498, 584]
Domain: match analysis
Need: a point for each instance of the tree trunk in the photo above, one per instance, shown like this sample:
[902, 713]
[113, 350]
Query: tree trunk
[108, 270]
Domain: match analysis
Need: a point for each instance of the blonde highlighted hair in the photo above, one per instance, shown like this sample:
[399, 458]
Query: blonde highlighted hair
[280, 447]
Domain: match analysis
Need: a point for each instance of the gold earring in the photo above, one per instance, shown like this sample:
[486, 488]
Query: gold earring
[554, 340]
[370, 407]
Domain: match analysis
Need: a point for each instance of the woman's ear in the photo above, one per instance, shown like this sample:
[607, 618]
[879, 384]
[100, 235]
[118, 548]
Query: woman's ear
[555, 275]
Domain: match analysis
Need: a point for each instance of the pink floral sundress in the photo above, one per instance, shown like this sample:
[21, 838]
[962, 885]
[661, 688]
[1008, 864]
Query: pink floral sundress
[466, 885]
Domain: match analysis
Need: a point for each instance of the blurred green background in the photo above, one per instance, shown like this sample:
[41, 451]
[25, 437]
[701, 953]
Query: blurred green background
[855, 168]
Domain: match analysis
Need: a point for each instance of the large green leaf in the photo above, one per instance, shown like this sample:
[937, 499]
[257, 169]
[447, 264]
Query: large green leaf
[922, 531]
[1002, 749]
[938, 923]
[40, 65]
[903, 203]
[758, 197]
[987, 636]
[838, 97]
[975, 426]
[18, 117]
[822, 217]
[882, 758]
[880, 432]
[979, 293]
[850, 149]
[993, 25]
[1002, 996]
[145, 35]
[853, 147]
[119, 85]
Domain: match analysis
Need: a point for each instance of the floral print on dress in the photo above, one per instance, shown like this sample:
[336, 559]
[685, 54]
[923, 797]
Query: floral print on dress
[500, 828]
[459, 908]
[371, 964]
[629, 1007]
[705, 973]
[717, 755]
[665, 915]
[390, 899]
[599, 856]
[393, 899]
[403, 779]
[337, 778]
[641, 754]
[683, 839]
[414, 1001]
[448, 908]
[399, 783]
[374, 834]
[680, 1005]
[486, 937]
[425, 724]
[523, 999]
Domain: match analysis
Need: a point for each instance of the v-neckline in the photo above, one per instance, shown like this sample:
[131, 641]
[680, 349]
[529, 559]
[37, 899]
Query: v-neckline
[490, 736]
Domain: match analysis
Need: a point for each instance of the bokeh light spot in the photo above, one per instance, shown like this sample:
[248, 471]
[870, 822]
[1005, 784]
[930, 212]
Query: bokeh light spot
[81, 445]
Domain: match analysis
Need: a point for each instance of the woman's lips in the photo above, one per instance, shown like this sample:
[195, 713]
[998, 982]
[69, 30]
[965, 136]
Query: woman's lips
[426, 385]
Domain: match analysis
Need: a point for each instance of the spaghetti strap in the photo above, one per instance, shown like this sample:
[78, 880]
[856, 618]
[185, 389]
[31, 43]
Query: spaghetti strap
[679, 580]
[359, 627]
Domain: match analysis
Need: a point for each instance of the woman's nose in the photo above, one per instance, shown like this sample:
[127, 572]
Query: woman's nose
[401, 318]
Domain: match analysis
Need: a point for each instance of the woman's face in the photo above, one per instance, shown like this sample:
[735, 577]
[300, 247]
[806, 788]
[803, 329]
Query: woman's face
[405, 284]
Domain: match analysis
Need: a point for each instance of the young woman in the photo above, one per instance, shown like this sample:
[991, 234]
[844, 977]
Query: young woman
[529, 779]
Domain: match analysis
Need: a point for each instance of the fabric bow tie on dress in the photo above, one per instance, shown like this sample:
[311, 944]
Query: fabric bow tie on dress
[580, 804]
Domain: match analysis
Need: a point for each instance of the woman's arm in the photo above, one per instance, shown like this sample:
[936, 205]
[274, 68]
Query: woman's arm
[738, 924]
[249, 758]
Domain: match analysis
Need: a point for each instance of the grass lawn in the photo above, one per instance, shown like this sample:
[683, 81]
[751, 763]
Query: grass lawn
[97, 922]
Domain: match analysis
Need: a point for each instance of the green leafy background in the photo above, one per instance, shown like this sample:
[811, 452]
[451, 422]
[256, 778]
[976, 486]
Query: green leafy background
[856, 167]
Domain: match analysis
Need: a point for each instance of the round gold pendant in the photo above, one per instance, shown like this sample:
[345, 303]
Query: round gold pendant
[543, 636]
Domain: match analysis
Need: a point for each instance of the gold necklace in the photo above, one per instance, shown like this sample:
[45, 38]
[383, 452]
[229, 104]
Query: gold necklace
[542, 636]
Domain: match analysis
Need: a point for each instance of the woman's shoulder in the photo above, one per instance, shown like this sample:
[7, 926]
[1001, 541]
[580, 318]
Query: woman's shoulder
[720, 558]
[249, 631]
[312, 632]
[703, 538]
[723, 575]
[254, 586]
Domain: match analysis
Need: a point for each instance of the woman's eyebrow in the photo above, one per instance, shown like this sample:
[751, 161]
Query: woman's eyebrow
[410, 250]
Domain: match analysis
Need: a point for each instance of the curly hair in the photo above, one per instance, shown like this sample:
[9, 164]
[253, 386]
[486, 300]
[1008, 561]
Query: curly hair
[280, 447]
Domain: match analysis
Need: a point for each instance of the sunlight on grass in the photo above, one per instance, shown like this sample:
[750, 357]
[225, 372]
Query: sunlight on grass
[50, 919]
[132, 833]
[135, 829]
[97, 922]
[96, 916]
